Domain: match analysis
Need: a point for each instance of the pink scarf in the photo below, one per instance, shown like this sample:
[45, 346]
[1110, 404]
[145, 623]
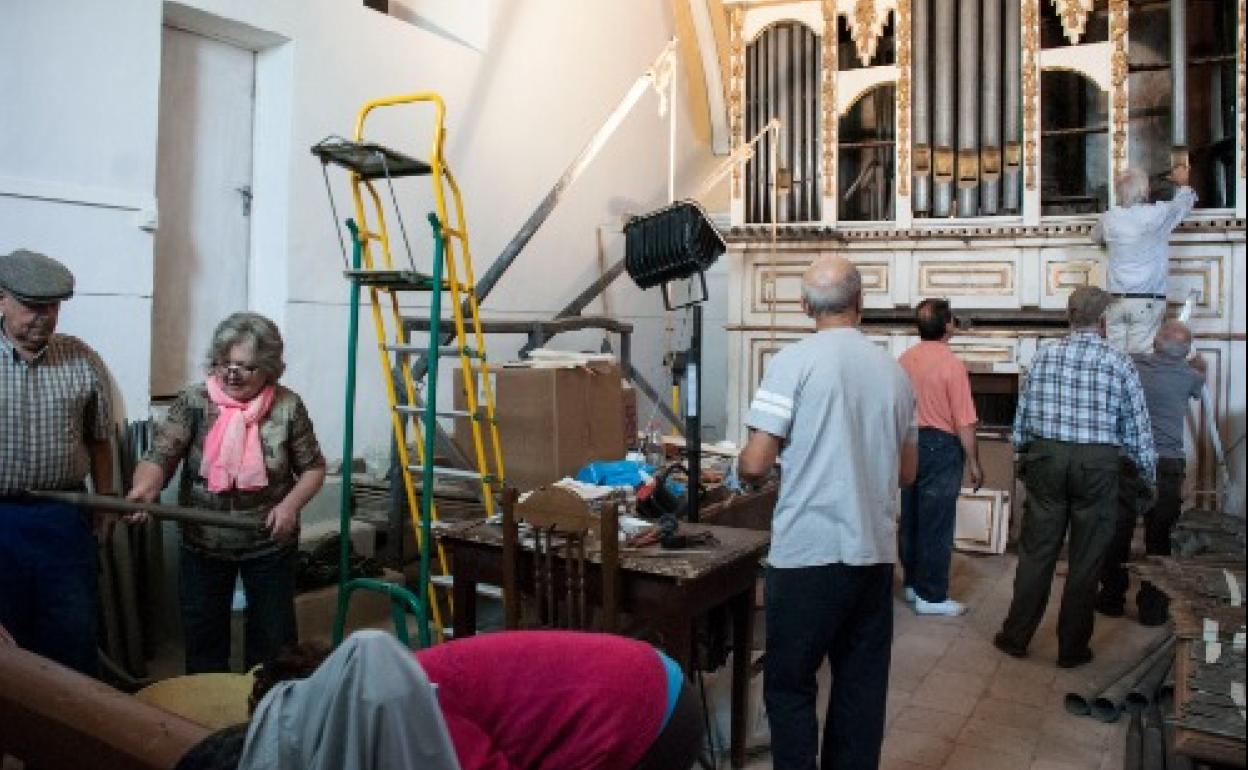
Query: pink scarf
[233, 456]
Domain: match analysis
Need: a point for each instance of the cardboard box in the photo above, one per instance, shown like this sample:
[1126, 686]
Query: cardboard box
[631, 424]
[553, 421]
[314, 610]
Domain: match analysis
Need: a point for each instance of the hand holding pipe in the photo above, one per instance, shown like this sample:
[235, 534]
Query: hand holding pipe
[171, 512]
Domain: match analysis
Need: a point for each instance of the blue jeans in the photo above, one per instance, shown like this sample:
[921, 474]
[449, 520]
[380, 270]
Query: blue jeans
[928, 515]
[843, 614]
[207, 593]
[49, 584]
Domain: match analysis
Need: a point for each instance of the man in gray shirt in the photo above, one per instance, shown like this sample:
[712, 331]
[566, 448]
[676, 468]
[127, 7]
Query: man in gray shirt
[1170, 382]
[838, 412]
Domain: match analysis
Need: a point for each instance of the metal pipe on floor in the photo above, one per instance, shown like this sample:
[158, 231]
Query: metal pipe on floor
[968, 108]
[1109, 704]
[1079, 702]
[1147, 690]
[943, 13]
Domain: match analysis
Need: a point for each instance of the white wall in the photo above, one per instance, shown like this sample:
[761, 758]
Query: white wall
[80, 88]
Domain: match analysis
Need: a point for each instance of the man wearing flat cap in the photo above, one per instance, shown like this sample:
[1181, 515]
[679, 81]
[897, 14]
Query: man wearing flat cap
[55, 425]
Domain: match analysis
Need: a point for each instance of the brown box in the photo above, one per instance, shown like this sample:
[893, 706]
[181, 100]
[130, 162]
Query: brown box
[631, 425]
[314, 610]
[552, 421]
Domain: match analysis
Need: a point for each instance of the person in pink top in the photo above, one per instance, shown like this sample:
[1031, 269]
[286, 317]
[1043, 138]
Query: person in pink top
[947, 419]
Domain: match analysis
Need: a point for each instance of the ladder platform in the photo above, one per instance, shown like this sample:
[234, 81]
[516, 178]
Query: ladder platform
[369, 160]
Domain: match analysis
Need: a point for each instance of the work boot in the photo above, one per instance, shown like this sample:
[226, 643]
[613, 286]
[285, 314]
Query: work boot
[1153, 605]
[1009, 648]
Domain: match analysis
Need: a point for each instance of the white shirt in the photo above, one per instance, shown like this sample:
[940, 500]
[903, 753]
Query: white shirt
[1138, 239]
[843, 408]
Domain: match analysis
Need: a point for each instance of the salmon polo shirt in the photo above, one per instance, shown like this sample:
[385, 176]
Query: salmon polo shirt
[942, 388]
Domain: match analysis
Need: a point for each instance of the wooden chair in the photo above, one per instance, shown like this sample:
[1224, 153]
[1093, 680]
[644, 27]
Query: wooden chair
[561, 525]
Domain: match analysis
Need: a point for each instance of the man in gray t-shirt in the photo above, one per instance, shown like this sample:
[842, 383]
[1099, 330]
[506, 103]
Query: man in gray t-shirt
[838, 412]
[1170, 382]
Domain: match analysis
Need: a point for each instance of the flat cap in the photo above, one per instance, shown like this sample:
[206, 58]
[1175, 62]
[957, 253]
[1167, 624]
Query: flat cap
[35, 278]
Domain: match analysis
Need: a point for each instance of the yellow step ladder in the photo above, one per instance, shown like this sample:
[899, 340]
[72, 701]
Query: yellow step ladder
[373, 269]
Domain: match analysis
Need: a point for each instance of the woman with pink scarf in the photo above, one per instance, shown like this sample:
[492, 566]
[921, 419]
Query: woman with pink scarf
[247, 447]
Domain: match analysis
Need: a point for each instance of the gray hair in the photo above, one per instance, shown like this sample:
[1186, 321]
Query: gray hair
[1173, 339]
[1130, 187]
[835, 297]
[1086, 305]
[262, 333]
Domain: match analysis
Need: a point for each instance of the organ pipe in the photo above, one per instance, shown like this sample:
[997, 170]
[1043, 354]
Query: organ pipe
[1178, 79]
[968, 108]
[942, 108]
[1012, 117]
[921, 118]
[990, 111]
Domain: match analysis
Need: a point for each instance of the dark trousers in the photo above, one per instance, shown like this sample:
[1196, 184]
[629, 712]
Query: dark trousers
[1069, 486]
[49, 589]
[1159, 520]
[928, 515]
[207, 593]
[842, 614]
[680, 741]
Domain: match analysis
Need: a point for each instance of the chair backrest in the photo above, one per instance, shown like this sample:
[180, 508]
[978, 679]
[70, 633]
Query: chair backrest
[561, 525]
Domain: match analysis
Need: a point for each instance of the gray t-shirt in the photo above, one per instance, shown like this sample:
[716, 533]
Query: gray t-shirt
[843, 408]
[1168, 383]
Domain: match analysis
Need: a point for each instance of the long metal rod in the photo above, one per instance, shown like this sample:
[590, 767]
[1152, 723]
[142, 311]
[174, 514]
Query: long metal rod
[1012, 120]
[990, 110]
[159, 510]
[943, 157]
[538, 217]
[1178, 74]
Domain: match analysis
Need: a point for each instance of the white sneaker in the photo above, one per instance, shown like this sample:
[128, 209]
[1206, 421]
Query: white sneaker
[910, 595]
[948, 607]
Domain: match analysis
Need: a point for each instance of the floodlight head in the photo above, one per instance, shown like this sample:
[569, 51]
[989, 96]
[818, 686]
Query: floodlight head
[669, 244]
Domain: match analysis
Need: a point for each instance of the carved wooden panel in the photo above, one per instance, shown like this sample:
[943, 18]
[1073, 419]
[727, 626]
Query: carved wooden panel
[786, 285]
[982, 521]
[760, 351]
[968, 277]
[1199, 270]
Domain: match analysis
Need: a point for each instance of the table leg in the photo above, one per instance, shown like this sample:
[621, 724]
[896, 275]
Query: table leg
[742, 654]
[464, 593]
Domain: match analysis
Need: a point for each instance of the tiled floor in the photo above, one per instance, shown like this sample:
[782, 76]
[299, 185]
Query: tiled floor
[956, 702]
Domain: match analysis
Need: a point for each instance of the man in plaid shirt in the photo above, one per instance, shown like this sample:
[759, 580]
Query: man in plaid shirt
[1081, 407]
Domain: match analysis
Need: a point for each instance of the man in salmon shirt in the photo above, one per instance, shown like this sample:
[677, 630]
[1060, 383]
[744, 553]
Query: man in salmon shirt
[947, 419]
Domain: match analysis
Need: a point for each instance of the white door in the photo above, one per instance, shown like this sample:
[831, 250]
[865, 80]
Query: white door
[203, 186]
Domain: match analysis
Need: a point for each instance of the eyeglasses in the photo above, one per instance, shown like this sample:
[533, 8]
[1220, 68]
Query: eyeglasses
[242, 371]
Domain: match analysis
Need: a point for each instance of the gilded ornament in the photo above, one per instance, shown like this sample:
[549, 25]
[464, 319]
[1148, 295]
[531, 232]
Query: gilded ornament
[1031, 103]
[827, 95]
[1074, 17]
[735, 102]
[903, 96]
[1118, 27]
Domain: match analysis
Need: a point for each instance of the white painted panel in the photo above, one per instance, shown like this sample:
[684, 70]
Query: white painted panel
[202, 246]
[117, 327]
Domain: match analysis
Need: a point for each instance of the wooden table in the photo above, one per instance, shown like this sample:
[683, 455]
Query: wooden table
[667, 588]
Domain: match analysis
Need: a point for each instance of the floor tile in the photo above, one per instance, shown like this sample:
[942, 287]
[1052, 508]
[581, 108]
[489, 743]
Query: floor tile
[953, 692]
[975, 758]
[1018, 742]
[919, 748]
[918, 719]
[1009, 713]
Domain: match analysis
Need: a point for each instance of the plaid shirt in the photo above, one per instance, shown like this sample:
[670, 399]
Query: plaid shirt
[1082, 391]
[49, 408]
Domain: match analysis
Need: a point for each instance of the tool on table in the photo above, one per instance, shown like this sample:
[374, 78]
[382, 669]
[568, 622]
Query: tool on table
[160, 511]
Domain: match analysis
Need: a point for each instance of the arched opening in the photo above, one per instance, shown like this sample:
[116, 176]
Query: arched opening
[1074, 144]
[866, 154]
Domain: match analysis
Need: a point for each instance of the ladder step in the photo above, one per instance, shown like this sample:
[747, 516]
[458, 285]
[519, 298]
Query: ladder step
[446, 350]
[369, 160]
[454, 473]
[420, 410]
[398, 280]
[483, 589]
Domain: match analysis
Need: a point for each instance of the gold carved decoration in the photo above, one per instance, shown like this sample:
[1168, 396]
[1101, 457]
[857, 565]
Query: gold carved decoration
[922, 159]
[1031, 91]
[866, 24]
[1013, 155]
[903, 97]
[1074, 16]
[1118, 79]
[968, 168]
[990, 162]
[942, 168]
[736, 67]
[827, 98]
